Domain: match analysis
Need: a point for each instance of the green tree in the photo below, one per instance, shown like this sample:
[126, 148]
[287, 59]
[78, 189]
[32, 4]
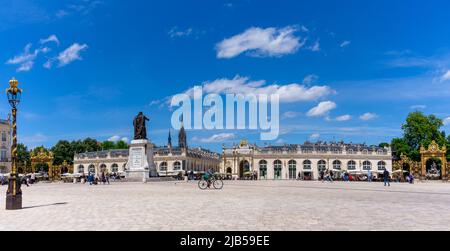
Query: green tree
[23, 155]
[384, 145]
[91, 145]
[62, 151]
[419, 130]
[121, 145]
[108, 145]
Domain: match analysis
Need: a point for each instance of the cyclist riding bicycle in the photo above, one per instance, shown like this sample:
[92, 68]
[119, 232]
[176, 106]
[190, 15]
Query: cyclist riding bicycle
[208, 175]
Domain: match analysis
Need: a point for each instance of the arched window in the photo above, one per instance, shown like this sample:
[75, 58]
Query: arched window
[307, 165]
[80, 169]
[177, 166]
[263, 169]
[115, 168]
[350, 151]
[91, 168]
[367, 165]
[351, 165]
[292, 164]
[381, 152]
[365, 152]
[322, 165]
[381, 165]
[277, 166]
[337, 165]
[163, 166]
[103, 168]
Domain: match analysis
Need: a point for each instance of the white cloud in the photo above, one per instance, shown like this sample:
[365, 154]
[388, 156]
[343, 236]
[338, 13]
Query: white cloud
[310, 79]
[125, 139]
[175, 32]
[446, 121]
[114, 138]
[51, 38]
[289, 93]
[216, 138]
[34, 139]
[314, 136]
[291, 114]
[418, 107]
[368, 116]
[25, 60]
[269, 42]
[71, 54]
[446, 76]
[344, 118]
[304, 28]
[315, 47]
[345, 44]
[322, 109]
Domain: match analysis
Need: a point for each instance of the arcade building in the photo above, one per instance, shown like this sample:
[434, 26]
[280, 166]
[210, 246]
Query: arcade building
[305, 161]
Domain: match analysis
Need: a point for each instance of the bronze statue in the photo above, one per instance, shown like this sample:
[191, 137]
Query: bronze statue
[140, 130]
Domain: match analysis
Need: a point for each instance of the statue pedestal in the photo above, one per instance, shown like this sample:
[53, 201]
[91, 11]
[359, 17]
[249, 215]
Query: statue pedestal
[140, 165]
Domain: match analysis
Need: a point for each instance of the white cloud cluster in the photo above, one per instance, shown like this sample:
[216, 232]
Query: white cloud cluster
[344, 118]
[176, 32]
[289, 93]
[216, 138]
[291, 114]
[345, 44]
[51, 38]
[446, 76]
[71, 54]
[322, 109]
[261, 42]
[117, 138]
[446, 121]
[368, 116]
[314, 136]
[310, 79]
[26, 59]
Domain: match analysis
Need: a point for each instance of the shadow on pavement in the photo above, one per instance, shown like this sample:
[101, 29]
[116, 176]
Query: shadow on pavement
[48, 205]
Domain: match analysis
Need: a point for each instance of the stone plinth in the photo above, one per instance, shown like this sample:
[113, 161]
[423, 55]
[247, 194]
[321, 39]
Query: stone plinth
[140, 165]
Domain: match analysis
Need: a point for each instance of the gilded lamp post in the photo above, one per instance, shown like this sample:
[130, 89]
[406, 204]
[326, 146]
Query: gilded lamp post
[14, 193]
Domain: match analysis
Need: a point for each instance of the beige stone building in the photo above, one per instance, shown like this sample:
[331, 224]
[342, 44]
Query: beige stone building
[169, 160]
[5, 148]
[304, 161]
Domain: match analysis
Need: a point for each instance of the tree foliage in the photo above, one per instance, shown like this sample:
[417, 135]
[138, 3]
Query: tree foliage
[419, 130]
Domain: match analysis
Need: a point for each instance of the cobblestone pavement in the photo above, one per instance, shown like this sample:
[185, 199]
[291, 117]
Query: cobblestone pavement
[250, 205]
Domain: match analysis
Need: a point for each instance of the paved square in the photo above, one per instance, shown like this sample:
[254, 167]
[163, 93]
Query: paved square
[261, 205]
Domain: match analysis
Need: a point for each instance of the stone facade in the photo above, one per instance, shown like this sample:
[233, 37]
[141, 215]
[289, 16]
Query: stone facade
[169, 161]
[304, 161]
[5, 146]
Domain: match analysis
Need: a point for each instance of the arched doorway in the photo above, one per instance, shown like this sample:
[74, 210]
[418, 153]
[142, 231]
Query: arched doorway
[244, 167]
[277, 167]
[263, 169]
[433, 169]
[292, 164]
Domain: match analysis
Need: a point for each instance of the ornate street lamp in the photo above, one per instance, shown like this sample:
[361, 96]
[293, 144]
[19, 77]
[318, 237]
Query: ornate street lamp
[14, 193]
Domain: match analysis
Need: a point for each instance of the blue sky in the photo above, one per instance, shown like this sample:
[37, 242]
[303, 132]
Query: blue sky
[87, 67]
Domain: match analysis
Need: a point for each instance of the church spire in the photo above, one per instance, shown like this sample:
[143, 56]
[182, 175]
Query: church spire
[182, 142]
[169, 140]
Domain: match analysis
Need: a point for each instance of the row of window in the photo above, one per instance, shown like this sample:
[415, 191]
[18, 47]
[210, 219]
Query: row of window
[322, 165]
[176, 166]
[91, 168]
[336, 151]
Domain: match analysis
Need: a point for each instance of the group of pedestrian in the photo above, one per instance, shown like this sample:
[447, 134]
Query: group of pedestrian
[93, 179]
[326, 175]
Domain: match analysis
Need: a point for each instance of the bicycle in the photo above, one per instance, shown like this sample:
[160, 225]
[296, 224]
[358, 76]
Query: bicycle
[204, 184]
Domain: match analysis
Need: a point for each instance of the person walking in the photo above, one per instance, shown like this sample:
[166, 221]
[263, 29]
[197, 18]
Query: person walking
[369, 176]
[33, 178]
[386, 177]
